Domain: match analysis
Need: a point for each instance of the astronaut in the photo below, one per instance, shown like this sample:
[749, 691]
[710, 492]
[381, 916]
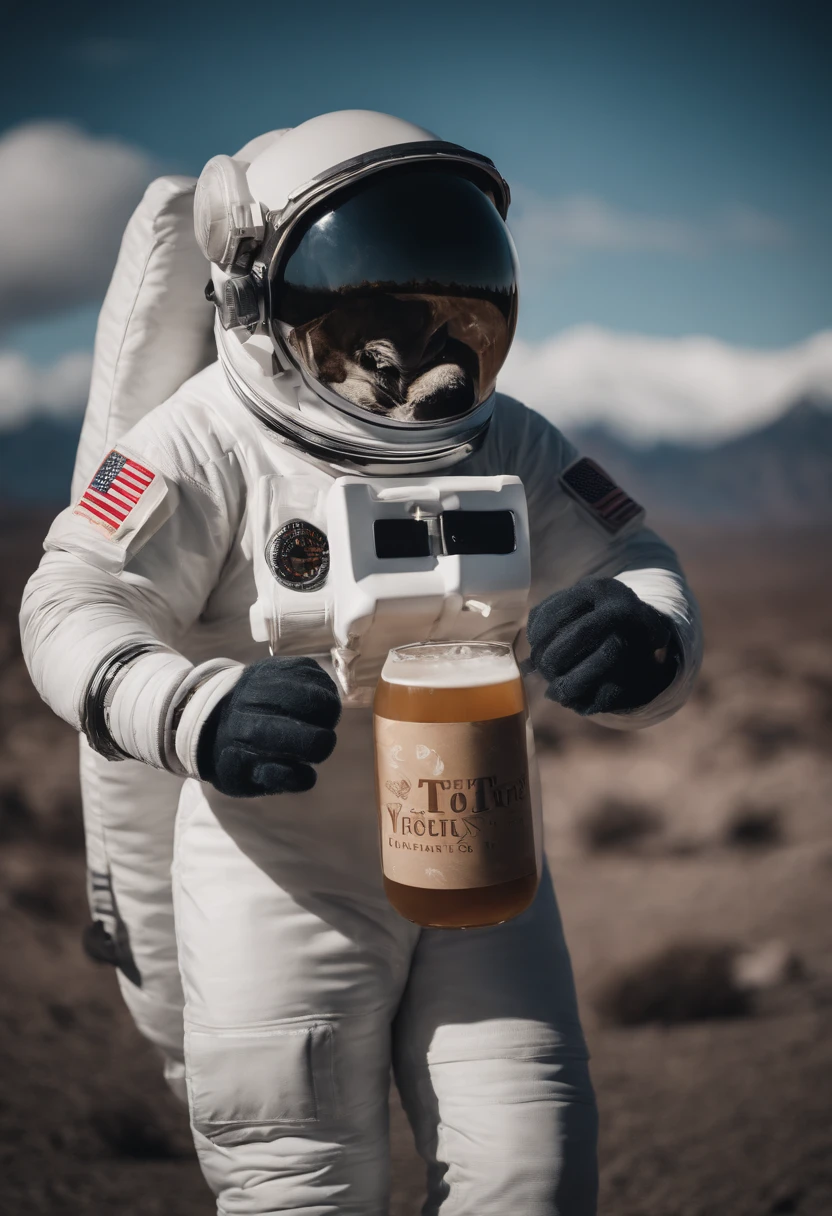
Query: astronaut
[188, 618]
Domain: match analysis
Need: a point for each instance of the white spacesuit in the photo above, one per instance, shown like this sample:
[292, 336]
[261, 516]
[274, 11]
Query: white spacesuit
[365, 294]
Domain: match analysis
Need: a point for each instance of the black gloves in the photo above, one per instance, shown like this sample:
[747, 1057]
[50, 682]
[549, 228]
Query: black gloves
[262, 736]
[600, 648]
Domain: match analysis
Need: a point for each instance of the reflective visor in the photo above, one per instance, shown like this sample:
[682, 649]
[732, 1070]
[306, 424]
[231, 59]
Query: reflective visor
[400, 294]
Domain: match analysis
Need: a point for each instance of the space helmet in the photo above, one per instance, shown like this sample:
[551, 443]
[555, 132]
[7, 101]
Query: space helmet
[366, 288]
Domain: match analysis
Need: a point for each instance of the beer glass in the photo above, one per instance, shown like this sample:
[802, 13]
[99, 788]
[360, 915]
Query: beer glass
[456, 819]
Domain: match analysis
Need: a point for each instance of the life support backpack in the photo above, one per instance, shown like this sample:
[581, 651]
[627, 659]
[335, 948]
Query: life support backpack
[155, 329]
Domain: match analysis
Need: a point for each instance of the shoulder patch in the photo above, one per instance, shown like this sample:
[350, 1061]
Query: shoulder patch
[125, 503]
[597, 493]
[115, 492]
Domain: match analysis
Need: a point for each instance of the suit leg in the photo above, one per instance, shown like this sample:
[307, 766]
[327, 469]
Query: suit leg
[492, 1067]
[290, 994]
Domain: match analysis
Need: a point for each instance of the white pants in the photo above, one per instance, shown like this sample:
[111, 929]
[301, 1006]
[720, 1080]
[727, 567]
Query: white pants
[303, 986]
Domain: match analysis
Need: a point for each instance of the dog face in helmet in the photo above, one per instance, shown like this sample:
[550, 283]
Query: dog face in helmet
[392, 355]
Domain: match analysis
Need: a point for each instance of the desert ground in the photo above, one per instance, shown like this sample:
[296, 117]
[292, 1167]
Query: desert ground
[693, 864]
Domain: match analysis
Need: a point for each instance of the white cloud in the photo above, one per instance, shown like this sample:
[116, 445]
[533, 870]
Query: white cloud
[65, 200]
[687, 389]
[28, 390]
[554, 230]
[690, 389]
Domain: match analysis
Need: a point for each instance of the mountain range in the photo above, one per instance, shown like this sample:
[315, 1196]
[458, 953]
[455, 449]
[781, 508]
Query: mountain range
[780, 474]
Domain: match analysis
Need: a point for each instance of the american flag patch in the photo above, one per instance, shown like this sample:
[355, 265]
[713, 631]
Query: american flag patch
[114, 491]
[587, 482]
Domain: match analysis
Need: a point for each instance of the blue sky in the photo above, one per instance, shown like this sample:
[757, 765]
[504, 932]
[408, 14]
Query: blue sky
[671, 162]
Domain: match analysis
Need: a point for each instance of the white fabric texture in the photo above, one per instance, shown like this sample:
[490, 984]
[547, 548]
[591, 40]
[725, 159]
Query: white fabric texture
[142, 702]
[204, 689]
[291, 955]
[155, 328]
[303, 985]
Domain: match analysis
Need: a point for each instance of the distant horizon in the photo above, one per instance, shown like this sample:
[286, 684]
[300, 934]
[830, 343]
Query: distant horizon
[578, 403]
[695, 389]
[775, 473]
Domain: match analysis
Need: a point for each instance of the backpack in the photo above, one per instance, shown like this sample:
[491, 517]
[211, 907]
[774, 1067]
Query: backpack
[155, 328]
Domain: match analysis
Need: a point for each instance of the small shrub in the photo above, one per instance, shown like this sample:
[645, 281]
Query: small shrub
[15, 816]
[36, 896]
[765, 738]
[764, 662]
[132, 1131]
[62, 1015]
[684, 982]
[616, 825]
[786, 1204]
[754, 828]
[704, 691]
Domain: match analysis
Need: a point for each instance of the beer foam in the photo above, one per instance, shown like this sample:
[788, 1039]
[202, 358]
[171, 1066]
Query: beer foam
[450, 665]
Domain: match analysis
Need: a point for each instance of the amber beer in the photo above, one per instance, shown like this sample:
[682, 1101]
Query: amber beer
[455, 812]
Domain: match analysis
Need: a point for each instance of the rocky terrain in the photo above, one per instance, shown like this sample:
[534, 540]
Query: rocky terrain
[694, 868]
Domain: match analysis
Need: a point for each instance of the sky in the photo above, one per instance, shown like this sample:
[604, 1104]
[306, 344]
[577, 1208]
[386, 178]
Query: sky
[670, 163]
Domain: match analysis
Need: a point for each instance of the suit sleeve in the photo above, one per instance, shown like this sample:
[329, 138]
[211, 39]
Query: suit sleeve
[569, 542]
[127, 570]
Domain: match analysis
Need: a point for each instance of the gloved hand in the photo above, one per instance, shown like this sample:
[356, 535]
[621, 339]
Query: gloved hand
[600, 648]
[262, 737]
